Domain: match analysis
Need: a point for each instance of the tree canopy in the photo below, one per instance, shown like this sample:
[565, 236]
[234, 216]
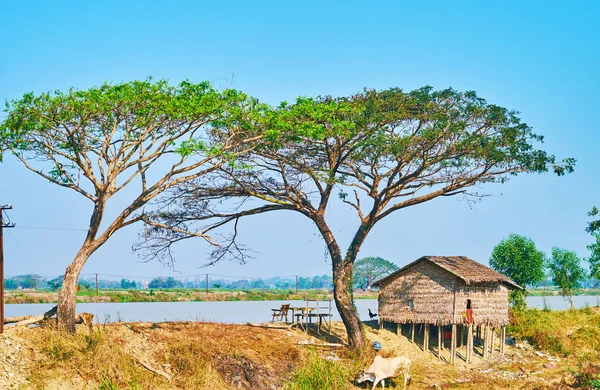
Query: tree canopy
[369, 269]
[518, 258]
[376, 151]
[566, 271]
[138, 135]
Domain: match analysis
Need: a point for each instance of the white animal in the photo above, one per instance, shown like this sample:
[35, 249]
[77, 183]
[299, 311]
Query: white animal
[383, 368]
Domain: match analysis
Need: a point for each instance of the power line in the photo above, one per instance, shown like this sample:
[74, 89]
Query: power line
[51, 228]
[20, 250]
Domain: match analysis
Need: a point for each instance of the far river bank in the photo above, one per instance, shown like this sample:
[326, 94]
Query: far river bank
[239, 312]
[186, 295]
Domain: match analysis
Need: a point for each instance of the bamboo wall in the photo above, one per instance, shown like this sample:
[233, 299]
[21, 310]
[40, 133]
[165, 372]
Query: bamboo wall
[440, 298]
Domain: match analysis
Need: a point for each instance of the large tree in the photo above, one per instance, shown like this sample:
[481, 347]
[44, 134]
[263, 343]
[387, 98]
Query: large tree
[566, 271]
[519, 259]
[377, 152]
[142, 136]
[369, 269]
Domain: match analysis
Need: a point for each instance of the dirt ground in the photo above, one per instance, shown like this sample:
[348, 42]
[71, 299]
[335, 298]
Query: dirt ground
[219, 356]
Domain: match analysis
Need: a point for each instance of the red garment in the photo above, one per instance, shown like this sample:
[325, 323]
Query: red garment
[469, 316]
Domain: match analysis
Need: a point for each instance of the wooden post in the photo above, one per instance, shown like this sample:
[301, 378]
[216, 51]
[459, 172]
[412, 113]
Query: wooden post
[486, 341]
[207, 283]
[3, 225]
[493, 331]
[426, 338]
[381, 324]
[96, 284]
[470, 343]
[296, 284]
[459, 336]
[330, 314]
[1, 273]
[412, 332]
[453, 345]
[440, 331]
[502, 340]
[398, 329]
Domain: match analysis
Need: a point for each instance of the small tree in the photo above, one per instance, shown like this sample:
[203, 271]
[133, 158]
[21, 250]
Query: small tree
[138, 135]
[566, 272]
[369, 269]
[594, 248]
[519, 259]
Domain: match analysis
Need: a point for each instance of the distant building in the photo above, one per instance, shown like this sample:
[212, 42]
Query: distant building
[144, 284]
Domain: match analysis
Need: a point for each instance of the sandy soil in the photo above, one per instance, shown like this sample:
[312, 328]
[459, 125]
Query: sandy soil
[257, 358]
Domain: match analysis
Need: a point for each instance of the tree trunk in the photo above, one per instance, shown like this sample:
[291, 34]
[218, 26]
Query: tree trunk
[342, 292]
[342, 286]
[68, 293]
[571, 301]
[67, 297]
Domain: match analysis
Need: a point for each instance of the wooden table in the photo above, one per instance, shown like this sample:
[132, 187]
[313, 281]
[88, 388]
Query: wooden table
[304, 314]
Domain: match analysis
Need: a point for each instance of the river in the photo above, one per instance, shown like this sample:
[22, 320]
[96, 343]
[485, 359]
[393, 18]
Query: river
[234, 312]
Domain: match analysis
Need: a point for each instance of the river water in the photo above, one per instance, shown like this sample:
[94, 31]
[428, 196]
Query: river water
[234, 312]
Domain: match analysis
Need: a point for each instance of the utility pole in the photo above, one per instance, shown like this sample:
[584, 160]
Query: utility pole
[206, 283]
[2, 226]
[96, 284]
[296, 284]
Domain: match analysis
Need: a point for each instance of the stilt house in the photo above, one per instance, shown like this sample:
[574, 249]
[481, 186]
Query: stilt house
[447, 291]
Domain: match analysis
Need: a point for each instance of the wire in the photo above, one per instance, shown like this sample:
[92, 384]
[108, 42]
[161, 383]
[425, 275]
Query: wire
[50, 228]
[20, 250]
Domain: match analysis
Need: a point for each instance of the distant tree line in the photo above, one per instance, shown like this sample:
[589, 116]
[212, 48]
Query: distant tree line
[33, 281]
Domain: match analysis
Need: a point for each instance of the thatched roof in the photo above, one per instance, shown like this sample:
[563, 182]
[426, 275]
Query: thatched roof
[468, 270]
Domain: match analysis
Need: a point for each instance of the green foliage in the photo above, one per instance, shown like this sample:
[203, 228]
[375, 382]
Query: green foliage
[168, 282]
[519, 259]
[55, 283]
[593, 226]
[594, 248]
[566, 271]
[128, 284]
[319, 373]
[570, 332]
[23, 281]
[370, 269]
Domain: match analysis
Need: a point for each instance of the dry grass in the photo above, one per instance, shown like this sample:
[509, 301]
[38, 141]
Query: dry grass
[217, 356]
[194, 355]
[93, 357]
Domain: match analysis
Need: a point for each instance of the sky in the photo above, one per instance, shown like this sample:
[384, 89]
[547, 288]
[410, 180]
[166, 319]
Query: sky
[541, 60]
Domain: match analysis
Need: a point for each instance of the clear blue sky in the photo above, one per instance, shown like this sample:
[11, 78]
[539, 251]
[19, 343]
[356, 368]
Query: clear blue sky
[542, 60]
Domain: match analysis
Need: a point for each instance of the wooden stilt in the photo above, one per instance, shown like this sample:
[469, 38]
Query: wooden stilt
[486, 341]
[380, 325]
[493, 332]
[470, 344]
[412, 332]
[440, 331]
[426, 338]
[398, 329]
[453, 345]
[502, 340]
